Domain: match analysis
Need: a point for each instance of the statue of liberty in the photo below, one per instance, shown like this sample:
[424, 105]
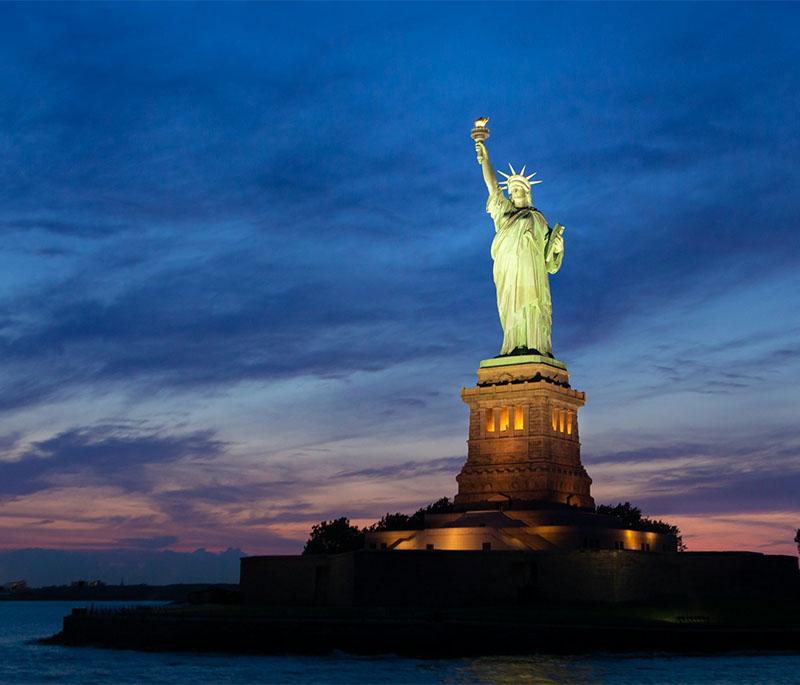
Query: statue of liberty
[525, 249]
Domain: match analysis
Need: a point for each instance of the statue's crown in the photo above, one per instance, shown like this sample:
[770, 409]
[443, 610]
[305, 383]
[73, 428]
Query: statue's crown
[520, 177]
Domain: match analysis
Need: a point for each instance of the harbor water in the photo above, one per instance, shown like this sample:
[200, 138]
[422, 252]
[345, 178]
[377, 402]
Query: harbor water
[23, 660]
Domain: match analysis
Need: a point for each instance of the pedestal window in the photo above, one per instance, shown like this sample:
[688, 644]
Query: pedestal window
[504, 419]
[519, 418]
[562, 420]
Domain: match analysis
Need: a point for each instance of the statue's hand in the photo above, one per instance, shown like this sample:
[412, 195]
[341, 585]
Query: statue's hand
[558, 244]
[480, 148]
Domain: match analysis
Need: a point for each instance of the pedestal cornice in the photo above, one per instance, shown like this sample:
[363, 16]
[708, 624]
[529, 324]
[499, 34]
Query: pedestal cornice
[521, 369]
[512, 360]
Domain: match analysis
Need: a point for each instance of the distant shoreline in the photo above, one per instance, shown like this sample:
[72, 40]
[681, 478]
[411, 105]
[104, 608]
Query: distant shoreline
[178, 592]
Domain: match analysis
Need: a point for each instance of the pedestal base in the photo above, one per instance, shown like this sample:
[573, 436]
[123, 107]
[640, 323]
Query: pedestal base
[564, 530]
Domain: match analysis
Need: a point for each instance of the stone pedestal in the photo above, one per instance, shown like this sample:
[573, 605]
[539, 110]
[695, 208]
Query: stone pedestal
[523, 486]
[523, 446]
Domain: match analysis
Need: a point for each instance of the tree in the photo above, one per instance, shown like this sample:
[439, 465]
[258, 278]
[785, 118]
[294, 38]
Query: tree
[440, 506]
[797, 539]
[395, 521]
[416, 521]
[631, 517]
[334, 537]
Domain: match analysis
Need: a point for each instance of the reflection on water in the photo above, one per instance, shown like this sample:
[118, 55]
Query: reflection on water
[24, 662]
[531, 669]
[621, 669]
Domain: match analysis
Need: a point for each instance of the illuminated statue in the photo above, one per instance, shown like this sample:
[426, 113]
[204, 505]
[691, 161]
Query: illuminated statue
[525, 249]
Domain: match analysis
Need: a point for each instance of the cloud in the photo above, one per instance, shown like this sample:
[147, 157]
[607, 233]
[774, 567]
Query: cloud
[76, 228]
[710, 492]
[101, 455]
[214, 226]
[156, 542]
[756, 473]
[408, 469]
[275, 293]
[246, 322]
[9, 441]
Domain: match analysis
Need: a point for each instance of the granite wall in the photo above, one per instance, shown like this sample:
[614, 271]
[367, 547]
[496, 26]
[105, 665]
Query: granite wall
[443, 578]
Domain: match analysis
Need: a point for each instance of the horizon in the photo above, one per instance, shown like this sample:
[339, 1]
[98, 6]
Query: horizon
[247, 265]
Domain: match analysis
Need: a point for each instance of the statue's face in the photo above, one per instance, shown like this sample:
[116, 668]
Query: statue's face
[520, 195]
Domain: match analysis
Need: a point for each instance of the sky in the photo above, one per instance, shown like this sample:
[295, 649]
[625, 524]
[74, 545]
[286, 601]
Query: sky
[245, 266]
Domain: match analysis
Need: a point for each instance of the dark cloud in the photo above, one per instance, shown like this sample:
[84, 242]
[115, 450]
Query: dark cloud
[710, 492]
[155, 542]
[53, 252]
[190, 505]
[703, 372]
[234, 319]
[287, 513]
[755, 474]
[9, 441]
[75, 229]
[211, 146]
[244, 492]
[407, 469]
[647, 454]
[101, 455]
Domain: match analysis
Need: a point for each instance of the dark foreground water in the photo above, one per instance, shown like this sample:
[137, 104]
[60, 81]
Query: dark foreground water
[24, 662]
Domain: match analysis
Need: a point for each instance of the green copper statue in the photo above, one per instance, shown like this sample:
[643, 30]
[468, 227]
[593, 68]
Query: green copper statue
[525, 249]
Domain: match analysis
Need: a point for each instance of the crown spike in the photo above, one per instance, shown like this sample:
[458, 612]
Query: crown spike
[515, 177]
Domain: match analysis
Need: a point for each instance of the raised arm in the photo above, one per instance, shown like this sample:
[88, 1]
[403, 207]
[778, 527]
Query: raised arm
[489, 177]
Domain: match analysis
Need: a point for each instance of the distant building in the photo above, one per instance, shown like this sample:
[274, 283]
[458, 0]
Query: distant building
[15, 586]
[87, 583]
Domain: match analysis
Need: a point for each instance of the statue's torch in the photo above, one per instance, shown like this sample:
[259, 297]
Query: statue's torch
[480, 131]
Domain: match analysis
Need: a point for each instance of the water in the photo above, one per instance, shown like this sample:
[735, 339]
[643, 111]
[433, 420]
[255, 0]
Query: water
[24, 662]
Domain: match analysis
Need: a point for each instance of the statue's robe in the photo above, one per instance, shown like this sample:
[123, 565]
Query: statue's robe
[520, 274]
